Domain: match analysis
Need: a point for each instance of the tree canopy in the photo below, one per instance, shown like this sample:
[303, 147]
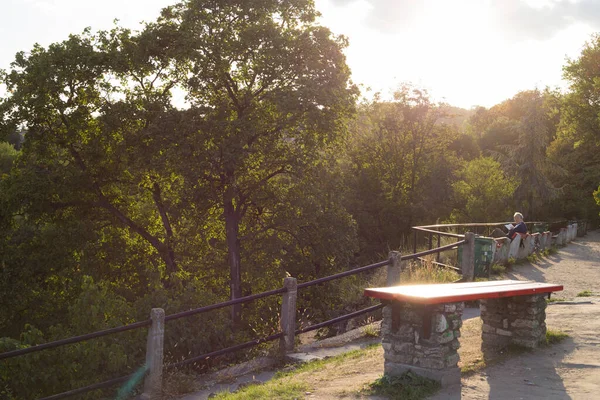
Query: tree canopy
[223, 147]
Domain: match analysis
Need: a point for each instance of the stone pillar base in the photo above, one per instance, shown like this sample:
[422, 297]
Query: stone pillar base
[516, 320]
[446, 377]
[422, 339]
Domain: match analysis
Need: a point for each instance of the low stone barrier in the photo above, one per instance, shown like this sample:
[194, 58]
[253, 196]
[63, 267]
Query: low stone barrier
[526, 248]
[524, 245]
[501, 251]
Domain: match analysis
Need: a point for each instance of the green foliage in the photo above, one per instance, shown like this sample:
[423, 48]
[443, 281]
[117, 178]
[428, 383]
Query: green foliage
[280, 390]
[115, 198]
[554, 336]
[526, 157]
[498, 269]
[483, 192]
[428, 272]
[8, 154]
[408, 386]
[576, 148]
[585, 293]
[597, 196]
[399, 164]
[371, 331]
[554, 300]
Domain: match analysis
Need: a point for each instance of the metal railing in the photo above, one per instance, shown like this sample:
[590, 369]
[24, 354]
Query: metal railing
[235, 348]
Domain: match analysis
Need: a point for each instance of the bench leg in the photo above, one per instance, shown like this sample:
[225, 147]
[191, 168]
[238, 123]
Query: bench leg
[422, 339]
[519, 320]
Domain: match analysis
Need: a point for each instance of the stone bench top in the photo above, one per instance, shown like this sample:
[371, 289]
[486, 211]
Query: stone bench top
[464, 291]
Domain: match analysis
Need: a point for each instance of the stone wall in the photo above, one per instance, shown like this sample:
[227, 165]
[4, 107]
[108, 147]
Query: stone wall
[518, 320]
[505, 249]
[406, 347]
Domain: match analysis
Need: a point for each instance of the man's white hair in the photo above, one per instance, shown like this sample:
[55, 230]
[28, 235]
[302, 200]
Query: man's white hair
[518, 214]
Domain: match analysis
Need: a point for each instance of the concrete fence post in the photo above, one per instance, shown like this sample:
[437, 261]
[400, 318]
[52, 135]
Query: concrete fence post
[468, 257]
[394, 268]
[287, 323]
[154, 355]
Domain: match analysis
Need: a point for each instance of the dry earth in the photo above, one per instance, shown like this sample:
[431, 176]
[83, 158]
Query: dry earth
[569, 370]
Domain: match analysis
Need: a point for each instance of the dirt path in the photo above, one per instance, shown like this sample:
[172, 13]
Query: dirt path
[569, 370]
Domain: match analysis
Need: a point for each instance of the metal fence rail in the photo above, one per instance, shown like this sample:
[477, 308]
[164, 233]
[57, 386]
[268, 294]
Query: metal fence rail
[200, 310]
[75, 339]
[231, 349]
[340, 319]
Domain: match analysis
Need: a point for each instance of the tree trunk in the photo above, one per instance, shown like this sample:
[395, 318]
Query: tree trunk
[169, 252]
[232, 224]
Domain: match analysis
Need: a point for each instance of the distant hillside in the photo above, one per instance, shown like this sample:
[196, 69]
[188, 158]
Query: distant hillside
[456, 116]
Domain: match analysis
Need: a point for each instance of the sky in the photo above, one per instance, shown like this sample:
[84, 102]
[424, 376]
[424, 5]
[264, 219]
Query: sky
[465, 52]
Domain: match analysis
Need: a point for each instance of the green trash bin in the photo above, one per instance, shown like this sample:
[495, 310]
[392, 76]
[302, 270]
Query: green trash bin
[484, 256]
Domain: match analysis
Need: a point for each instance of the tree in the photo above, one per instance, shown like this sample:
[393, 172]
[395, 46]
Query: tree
[399, 167]
[483, 192]
[267, 95]
[8, 154]
[526, 158]
[577, 146]
[64, 97]
[268, 90]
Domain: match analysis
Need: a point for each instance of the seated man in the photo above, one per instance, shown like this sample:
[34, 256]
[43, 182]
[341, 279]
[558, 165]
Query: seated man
[519, 227]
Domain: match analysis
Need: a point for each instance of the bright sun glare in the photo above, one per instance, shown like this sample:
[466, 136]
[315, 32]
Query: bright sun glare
[457, 49]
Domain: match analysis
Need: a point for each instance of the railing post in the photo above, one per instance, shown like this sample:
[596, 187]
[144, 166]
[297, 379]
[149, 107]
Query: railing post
[394, 268]
[287, 323]
[468, 257]
[154, 355]
[437, 256]
[414, 240]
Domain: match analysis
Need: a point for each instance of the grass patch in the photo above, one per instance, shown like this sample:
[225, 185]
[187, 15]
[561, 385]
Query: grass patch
[554, 299]
[370, 331]
[549, 251]
[425, 271]
[585, 293]
[472, 368]
[290, 384]
[553, 337]
[279, 390]
[498, 269]
[533, 257]
[408, 386]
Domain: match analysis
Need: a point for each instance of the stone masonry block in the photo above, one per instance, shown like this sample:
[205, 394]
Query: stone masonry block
[429, 363]
[439, 323]
[398, 358]
[452, 360]
[446, 337]
[455, 344]
[525, 323]
[503, 332]
[405, 348]
[450, 308]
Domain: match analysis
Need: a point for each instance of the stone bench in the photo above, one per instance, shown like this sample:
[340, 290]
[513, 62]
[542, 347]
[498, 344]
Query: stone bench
[421, 323]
